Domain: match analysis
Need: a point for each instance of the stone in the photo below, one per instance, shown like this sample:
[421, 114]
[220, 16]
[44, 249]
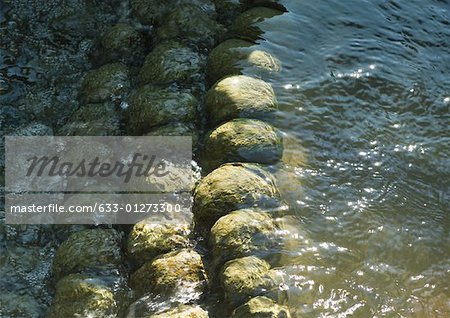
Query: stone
[245, 26]
[151, 107]
[88, 249]
[233, 56]
[176, 129]
[261, 307]
[232, 187]
[122, 43]
[171, 62]
[243, 233]
[82, 296]
[151, 12]
[148, 240]
[173, 273]
[246, 277]
[243, 140]
[191, 25]
[183, 311]
[239, 96]
[108, 83]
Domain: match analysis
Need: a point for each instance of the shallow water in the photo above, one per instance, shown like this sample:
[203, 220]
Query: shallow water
[365, 87]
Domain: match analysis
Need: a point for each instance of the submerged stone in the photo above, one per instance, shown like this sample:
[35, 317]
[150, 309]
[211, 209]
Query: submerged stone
[232, 56]
[243, 233]
[150, 11]
[243, 140]
[148, 240]
[107, 83]
[176, 129]
[182, 311]
[246, 277]
[88, 249]
[245, 26]
[171, 62]
[232, 187]
[261, 307]
[239, 96]
[121, 43]
[82, 296]
[177, 272]
[151, 107]
[190, 25]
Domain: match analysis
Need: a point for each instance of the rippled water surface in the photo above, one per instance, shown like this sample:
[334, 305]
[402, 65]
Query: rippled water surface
[365, 87]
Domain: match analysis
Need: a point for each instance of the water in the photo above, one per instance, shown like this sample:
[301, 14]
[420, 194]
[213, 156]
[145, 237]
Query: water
[365, 87]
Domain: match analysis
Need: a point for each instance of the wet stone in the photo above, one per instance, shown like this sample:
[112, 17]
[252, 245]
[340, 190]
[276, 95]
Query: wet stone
[151, 107]
[261, 307]
[82, 296]
[182, 311]
[171, 62]
[174, 273]
[243, 140]
[190, 25]
[246, 25]
[232, 187]
[243, 233]
[121, 43]
[94, 249]
[233, 56]
[148, 240]
[107, 83]
[176, 129]
[239, 96]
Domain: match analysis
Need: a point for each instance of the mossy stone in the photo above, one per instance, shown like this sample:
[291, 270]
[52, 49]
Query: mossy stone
[170, 274]
[176, 129]
[239, 96]
[151, 107]
[189, 24]
[171, 62]
[261, 307]
[243, 140]
[182, 311]
[88, 249]
[121, 43]
[244, 278]
[243, 233]
[151, 11]
[232, 56]
[232, 187]
[82, 296]
[107, 83]
[245, 26]
[148, 240]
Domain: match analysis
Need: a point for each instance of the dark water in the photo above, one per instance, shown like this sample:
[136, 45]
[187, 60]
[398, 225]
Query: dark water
[365, 87]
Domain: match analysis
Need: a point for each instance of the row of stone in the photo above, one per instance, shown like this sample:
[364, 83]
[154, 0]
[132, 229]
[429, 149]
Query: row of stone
[237, 205]
[89, 265]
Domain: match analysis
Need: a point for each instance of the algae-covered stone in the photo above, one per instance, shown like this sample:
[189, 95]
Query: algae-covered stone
[121, 43]
[171, 62]
[82, 296]
[151, 11]
[101, 119]
[232, 56]
[173, 273]
[261, 307]
[88, 249]
[148, 240]
[239, 96]
[232, 187]
[107, 83]
[190, 25]
[244, 278]
[182, 311]
[176, 129]
[151, 107]
[246, 27]
[243, 140]
[243, 233]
